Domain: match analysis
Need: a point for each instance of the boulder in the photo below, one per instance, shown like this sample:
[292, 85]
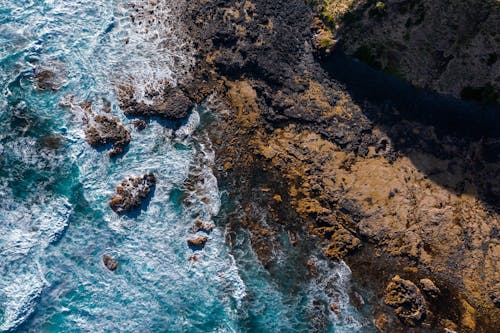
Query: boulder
[110, 262]
[406, 298]
[132, 192]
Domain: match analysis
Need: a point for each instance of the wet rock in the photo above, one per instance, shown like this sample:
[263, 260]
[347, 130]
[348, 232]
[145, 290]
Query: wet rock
[429, 288]
[201, 226]
[46, 80]
[169, 102]
[198, 242]
[140, 124]
[103, 130]
[132, 192]
[406, 298]
[110, 262]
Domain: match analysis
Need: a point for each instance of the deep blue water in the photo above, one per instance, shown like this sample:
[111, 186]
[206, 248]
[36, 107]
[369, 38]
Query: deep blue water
[55, 222]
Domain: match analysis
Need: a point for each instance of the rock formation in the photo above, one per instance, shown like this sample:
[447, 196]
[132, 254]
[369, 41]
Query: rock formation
[406, 298]
[103, 130]
[132, 192]
[110, 262]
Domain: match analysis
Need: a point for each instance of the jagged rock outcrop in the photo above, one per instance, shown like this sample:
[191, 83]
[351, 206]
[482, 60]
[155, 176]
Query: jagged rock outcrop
[103, 130]
[132, 192]
[406, 298]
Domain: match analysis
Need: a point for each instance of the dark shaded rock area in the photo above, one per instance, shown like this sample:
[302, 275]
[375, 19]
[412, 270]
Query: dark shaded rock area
[110, 262]
[168, 102]
[132, 192]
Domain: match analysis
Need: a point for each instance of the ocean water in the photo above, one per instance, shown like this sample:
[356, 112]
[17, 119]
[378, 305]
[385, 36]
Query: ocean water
[55, 221]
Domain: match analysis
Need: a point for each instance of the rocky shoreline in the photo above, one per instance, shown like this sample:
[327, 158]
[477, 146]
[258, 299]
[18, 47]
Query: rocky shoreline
[401, 199]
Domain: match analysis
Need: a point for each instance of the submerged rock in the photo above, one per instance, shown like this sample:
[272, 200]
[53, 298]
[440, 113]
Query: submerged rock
[169, 102]
[105, 130]
[198, 242]
[132, 192]
[406, 298]
[110, 262]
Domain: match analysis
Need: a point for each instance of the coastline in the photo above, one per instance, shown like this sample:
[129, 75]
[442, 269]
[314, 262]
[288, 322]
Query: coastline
[324, 155]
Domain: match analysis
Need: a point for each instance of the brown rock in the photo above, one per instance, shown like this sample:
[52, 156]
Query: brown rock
[105, 130]
[131, 193]
[140, 124]
[406, 298]
[429, 288]
[201, 226]
[381, 322]
[198, 242]
[110, 262]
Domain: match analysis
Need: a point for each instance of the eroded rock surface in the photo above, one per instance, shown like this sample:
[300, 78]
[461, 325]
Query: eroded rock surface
[406, 298]
[132, 192]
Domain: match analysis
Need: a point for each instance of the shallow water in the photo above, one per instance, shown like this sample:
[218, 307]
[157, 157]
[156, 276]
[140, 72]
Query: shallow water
[55, 222]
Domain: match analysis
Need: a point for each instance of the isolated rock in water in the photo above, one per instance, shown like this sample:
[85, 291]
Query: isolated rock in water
[429, 288]
[140, 124]
[46, 80]
[169, 102]
[131, 193]
[105, 130]
[406, 298]
[198, 242]
[110, 263]
[201, 226]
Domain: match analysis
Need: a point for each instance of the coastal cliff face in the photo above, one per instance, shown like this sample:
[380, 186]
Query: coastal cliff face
[407, 199]
[450, 47]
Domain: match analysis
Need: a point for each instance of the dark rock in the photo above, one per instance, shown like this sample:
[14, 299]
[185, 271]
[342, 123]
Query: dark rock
[105, 130]
[429, 288]
[198, 242]
[406, 298]
[170, 103]
[110, 263]
[132, 192]
[140, 124]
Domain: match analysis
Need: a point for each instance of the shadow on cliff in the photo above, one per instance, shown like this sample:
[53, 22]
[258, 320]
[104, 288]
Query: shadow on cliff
[464, 135]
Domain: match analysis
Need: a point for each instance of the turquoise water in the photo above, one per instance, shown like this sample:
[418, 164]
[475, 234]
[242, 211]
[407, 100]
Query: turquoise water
[55, 222]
